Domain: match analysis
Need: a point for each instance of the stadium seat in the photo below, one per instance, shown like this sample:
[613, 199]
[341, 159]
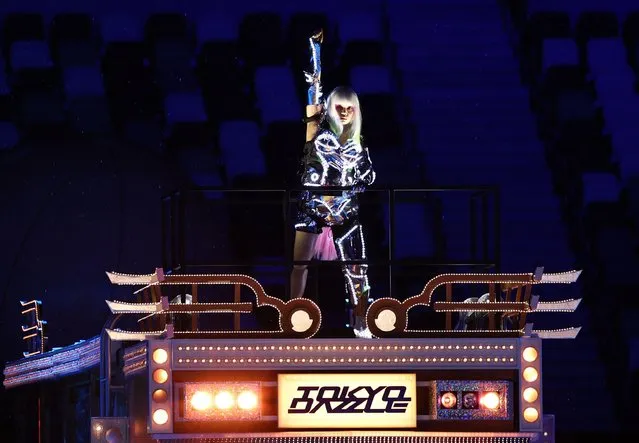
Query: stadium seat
[557, 52]
[276, 96]
[86, 100]
[596, 24]
[283, 146]
[565, 97]
[239, 144]
[624, 145]
[82, 81]
[225, 82]
[362, 52]
[362, 40]
[121, 28]
[203, 168]
[260, 39]
[606, 55]
[184, 107]
[630, 28]
[215, 27]
[360, 26]
[630, 35]
[4, 84]
[36, 86]
[74, 40]
[30, 54]
[615, 251]
[541, 26]
[186, 122]
[584, 150]
[371, 80]
[380, 126]
[600, 187]
[171, 42]
[21, 26]
[41, 109]
[125, 65]
[547, 24]
[9, 136]
[575, 105]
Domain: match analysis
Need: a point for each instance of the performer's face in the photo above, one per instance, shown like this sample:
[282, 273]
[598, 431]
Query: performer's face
[345, 111]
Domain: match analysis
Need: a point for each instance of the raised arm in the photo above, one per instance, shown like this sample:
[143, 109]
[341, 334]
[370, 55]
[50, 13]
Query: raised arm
[314, 107]
[313, 117]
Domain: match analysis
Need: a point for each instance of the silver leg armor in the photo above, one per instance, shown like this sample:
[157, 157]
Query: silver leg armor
[350, 245]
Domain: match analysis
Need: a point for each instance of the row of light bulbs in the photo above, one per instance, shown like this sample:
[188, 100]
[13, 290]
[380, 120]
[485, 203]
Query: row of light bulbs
[353, 360]
[530, 375]
[160, 376]
[343, 347]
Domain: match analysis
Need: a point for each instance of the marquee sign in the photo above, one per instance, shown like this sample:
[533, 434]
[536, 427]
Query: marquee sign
[353, 401]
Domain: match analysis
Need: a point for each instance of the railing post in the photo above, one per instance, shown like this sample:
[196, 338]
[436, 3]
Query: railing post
[485, 228]
[163, 231]
[497, 218]
[391, 238]
[473, 226]
[288, 251]
[181, 229]
[172, 221]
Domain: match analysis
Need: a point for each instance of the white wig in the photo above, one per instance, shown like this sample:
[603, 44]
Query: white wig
[345, 96]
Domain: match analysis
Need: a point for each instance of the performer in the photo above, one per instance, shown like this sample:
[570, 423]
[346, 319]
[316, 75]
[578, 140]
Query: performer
[333, 158]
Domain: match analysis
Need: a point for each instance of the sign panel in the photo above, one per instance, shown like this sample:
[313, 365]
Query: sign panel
[347, 401]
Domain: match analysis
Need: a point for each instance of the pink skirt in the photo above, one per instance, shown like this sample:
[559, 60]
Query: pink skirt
[325, 246]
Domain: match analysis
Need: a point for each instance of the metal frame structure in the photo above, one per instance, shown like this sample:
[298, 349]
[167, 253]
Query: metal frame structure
[483, 225]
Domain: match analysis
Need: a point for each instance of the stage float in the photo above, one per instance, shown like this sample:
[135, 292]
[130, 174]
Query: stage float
[477, 383]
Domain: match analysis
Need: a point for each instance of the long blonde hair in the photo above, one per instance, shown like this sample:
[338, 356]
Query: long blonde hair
[343, 94]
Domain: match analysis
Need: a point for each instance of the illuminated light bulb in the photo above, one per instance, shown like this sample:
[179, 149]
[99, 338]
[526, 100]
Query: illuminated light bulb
[160, 396]
[531, 415]
[490, 400]
[530, 395]
[530, 354]
[247, 400]
[160, 416]
[224, 400]
[530, 374]
[160, 376]
[448, 400]
[202, 400]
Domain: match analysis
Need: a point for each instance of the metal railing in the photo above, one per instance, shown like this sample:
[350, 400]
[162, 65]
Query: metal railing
[270, 212]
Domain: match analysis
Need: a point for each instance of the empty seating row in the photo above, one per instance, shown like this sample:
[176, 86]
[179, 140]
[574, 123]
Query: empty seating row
[588, 99]
[580, 64]
[133, 64]
[9, 137]
[575, 8]
[263, 38]
[555, 25]
[276, 97]
[612, 81]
